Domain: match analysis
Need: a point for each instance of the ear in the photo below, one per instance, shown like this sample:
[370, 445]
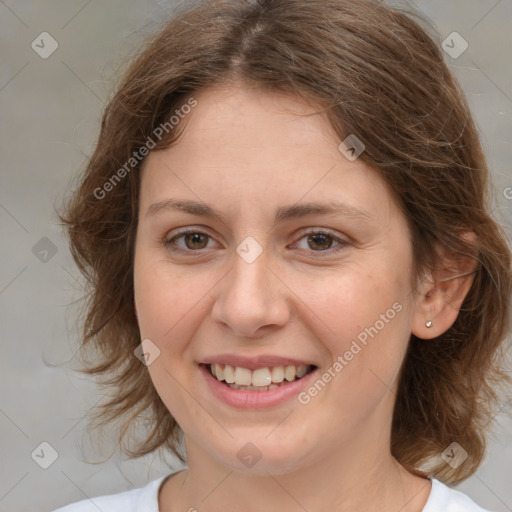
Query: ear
[442, 291]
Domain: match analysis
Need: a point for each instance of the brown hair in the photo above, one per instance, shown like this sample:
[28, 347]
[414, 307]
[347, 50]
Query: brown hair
[379, 75]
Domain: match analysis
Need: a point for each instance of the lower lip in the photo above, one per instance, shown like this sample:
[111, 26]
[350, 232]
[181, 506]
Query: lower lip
[255, 399]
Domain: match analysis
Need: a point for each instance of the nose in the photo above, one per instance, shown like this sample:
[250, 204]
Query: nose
[251, 300]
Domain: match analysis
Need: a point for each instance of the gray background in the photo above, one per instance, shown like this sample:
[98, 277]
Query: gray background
[50, 118]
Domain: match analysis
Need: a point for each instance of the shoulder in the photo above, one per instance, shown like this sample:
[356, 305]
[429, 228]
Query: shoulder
[445, 499]
[135, 500]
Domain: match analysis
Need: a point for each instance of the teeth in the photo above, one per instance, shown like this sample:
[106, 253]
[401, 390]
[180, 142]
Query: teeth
[219, 372]
[302, 369]
[229, 374]
[243, 376]
[289, 373]
[261, 379]
[277, 374]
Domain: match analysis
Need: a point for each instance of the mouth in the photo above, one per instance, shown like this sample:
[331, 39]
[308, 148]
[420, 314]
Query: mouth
[260, 379]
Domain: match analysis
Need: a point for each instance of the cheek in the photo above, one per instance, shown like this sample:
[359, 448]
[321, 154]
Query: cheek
[166, 298]
[351, 304]
[366, 319]
[167, 302]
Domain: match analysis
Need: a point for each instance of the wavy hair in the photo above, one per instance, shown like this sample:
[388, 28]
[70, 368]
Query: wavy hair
[377, 73]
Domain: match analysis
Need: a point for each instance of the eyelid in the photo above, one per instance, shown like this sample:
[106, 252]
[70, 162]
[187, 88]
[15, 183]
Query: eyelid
[317, 230]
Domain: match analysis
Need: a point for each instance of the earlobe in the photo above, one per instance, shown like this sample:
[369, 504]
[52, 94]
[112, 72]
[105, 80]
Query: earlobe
[426, 309]
[442, 292]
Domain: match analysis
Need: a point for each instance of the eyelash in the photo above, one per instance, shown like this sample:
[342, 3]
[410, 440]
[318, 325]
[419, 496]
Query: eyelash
[168, 242]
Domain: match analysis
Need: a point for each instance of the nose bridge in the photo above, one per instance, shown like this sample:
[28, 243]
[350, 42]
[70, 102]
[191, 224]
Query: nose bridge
[249, 281]
[250, 262]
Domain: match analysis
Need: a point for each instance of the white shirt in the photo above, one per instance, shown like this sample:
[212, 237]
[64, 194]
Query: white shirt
[145, 499]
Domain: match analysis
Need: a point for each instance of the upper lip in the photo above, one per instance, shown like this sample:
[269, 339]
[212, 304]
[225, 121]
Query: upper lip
[253, 363]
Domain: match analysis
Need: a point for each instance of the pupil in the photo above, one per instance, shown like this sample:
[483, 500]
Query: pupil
[324, 237]
[195, 238]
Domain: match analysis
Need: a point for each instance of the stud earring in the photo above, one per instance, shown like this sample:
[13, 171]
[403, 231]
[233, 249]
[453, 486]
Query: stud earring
[428, 324]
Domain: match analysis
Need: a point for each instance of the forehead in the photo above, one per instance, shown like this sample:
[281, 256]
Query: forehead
[249, 114]
[258, 149]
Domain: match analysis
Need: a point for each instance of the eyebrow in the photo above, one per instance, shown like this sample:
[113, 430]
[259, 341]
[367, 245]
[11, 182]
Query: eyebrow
[281, 214]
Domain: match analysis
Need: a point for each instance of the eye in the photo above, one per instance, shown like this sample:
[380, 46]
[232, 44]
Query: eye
[321, 241]
[194, 241]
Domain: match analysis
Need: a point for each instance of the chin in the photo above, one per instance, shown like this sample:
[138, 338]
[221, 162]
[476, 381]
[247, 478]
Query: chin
[262, 456]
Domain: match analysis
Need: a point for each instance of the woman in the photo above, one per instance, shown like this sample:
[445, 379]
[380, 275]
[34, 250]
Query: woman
[293, 267]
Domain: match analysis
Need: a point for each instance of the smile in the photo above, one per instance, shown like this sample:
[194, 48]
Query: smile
[260, 379]
[263, 382]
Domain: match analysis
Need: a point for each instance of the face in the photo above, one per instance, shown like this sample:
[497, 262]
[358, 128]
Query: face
[269, 287]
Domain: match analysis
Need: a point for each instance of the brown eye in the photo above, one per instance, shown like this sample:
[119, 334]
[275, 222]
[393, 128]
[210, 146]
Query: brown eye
[320, 241]
[193, 241]
[197, 241]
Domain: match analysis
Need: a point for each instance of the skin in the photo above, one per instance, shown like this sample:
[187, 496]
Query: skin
[246, 153]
